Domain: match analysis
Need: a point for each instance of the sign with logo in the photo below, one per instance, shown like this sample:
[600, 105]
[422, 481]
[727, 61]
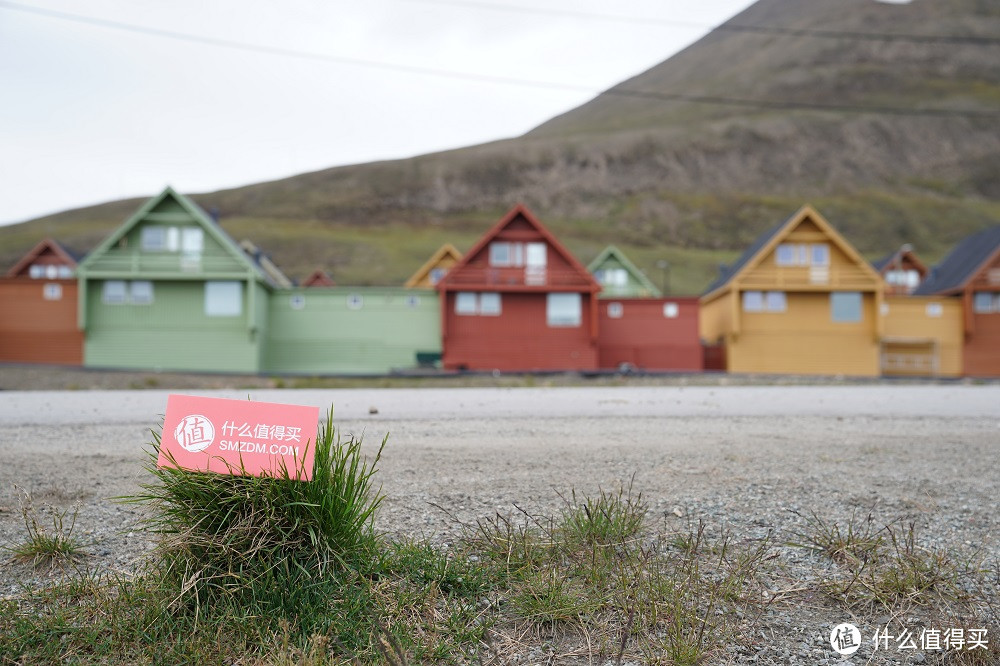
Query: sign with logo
[239, 437]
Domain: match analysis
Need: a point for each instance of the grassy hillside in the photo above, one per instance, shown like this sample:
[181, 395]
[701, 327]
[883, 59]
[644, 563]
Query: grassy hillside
[665, 178]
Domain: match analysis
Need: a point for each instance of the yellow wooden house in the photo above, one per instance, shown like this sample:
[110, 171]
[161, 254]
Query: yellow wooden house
[428, 275]
[800, 300]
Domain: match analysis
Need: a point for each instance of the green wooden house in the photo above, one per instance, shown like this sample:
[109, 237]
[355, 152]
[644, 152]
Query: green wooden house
[619, 277]
[352, 330]
[170, 290]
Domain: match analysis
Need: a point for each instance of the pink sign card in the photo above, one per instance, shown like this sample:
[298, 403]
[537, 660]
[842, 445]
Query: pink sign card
[238, 437]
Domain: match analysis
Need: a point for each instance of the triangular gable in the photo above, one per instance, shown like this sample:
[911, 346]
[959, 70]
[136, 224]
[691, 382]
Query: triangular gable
[612, 253]
[521, 212]
[963, 263]
[319, 278]
[767, 242]
[196, 213]
[446, 256]
[47, 245]
[904, 256]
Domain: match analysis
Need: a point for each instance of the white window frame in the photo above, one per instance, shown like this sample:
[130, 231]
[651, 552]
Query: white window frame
[753, 301]
[52, 291]
[501, 254]
[297, 301]
[785, 255]
[824, 259]
[563, 309]
[153, 238]
[984, 302]
[616, 310]
[775, 301]
[466, 303]
[114, 292]
[355, 301]
[855, 297]
[223, 298]
[671, 310]
[490, 304]
[140, 292]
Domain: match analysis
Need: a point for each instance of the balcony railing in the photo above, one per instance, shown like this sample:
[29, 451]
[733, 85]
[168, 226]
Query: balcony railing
[517, 277]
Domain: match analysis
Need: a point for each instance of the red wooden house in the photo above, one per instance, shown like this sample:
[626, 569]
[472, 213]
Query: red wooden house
[519, 301]
[38, 297]
[971, 272]
[650, 334]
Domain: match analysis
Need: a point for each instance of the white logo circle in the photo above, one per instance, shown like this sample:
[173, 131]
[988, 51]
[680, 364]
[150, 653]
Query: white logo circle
[845, 638]
[194, 433]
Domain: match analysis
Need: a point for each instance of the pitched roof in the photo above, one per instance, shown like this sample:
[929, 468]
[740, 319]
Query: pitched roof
[612, 252]
[896, 257]
[773, 236]
[446, 251]
[197, 214]
[728, 272]
[50, 244]
[319, 278]
[962, 263]
[264, 263]
[521, 211]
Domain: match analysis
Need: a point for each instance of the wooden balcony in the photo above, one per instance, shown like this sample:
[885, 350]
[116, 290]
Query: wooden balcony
[526, 278]
[814, 278]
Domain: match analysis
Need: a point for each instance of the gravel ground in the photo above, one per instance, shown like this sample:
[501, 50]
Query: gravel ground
[752, 460]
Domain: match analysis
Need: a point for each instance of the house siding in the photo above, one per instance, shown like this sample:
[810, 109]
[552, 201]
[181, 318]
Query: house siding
[923, 336]
[645, 338]
[804, 340]
[36, 330]
[520, 339]
[172, 333]
[326, 336]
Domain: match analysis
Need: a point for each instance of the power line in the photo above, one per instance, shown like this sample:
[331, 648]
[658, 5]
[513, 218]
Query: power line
[724, 27]
[481, 78]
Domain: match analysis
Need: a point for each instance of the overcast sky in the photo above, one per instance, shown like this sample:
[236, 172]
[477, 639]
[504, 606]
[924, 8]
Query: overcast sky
[118, 98]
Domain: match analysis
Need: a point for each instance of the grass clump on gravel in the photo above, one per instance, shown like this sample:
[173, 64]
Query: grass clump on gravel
[43, 547]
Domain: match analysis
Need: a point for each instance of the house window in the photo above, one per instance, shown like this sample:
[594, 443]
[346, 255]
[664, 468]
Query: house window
[934, 310]
[466, 303]
[984, 302]
[512, 254]
[612, 277]
[141, 292]
[903, 278]
[355, 301]
[469, 303]
[113, 292]
[615, 310]
[774, 301]
[670, 310]
[297, 301]
[753, 301]
[764, 301]
[192, 240]
[845, 306]
[37, 271]
[489, 304]
[436, 275]
[65, 271]
[563, 310]
[223, 299]
[412, 301]
[154, 238]
[800, 254]
[52, 292]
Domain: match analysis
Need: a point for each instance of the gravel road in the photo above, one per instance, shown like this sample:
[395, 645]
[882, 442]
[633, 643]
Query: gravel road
[749, 459]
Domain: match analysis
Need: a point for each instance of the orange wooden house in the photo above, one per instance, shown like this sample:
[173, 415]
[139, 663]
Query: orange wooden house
[971, 275]
[39, 297]
[800, 300]
[435, 268]
[519, 301]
